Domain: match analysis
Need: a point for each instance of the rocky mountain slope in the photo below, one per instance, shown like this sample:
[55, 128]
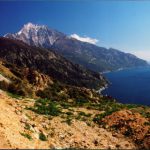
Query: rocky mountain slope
[49, 63]
[49, 102]
[39, 109]
[23, 126]
[25, 122]
[86, 54]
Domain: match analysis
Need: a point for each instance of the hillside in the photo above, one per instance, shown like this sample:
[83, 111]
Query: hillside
[49, 63]
[70, 126]
[50, 111]
[25, 122]
[54, 104]
[91, 56]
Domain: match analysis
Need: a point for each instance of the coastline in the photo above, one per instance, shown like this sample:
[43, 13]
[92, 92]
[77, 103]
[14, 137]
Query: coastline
[126, 85]
[109, 71]
[121, 69]
[102, 89]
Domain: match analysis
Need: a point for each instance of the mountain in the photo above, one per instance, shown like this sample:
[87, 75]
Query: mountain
[37, 35]
[49, 63]
[54, 106]
[89, 55]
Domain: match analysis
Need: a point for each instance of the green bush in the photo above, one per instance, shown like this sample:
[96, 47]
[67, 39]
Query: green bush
[81, 101]
[69, 113]
[53, 109]
[68, 121]
[14, 95]
[27, 126]
[65, 105]
[46, 107]
[98, 118]
[42, 137]
[26, 136]
[84, 114]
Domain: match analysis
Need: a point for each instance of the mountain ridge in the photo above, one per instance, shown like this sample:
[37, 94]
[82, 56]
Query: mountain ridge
[49, 63]
[89, 55]
[65, 112]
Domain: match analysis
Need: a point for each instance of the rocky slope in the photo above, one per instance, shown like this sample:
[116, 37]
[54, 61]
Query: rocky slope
[65, 116]
[20, 128]
[23, 127]
[50, 102]
[49, 63]
[89, 55]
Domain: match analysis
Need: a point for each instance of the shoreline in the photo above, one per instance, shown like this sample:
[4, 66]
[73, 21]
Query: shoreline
[102, 89]
[121, 69]
[109, 71]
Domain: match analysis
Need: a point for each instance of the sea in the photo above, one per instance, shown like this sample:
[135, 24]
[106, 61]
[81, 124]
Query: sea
[129, 86]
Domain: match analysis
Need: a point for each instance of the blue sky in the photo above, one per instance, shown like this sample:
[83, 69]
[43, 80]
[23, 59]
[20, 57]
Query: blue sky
[123, 25]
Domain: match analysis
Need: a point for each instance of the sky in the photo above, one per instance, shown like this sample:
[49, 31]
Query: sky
[123, 25]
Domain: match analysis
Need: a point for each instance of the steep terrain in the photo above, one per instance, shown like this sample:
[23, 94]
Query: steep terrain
[49, 102]
[38, 111]
[89, 55]
[49, 63]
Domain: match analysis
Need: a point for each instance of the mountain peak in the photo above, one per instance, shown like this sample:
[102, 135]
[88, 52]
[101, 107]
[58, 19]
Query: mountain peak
[36, 35]
[30, 25]
[34, 27]
[89, 55]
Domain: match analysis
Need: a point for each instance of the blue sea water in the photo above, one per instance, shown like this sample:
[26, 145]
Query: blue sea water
[130, 85]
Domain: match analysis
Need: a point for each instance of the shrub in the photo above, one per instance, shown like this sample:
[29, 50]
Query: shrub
[42, 137]
[68, 121]
[46, 107]
[17, 88]
[4, 85]
[27, 126]
[98, 118]
[26, 136]
[14, 95]
[84, 114]
[65, 105]
[69, 113]
[81, 101]
[53, 109]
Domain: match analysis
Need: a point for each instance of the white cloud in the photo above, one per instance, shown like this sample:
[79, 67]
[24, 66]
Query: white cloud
[142, 54]
[84, 39]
